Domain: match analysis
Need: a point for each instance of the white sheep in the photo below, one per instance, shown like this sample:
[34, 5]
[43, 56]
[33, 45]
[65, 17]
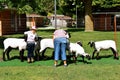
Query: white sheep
[104, 45]
[78, 50]
[43, 45]
[72, 47]
[46, 43]
[10, 43]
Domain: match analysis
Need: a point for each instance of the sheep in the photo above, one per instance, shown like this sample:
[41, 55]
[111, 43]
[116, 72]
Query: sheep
[103, 45]
[10, 43]
[46, 43]
[71, 47]
[42, 45]
[76, 49]
[37, 48]
[21, 44]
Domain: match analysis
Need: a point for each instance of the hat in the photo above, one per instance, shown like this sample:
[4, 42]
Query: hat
[33, 27]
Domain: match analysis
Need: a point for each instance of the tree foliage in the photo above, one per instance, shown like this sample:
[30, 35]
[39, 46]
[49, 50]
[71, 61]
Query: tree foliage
[29, 6]
[106, 3]
[68, 7]
[43, 7]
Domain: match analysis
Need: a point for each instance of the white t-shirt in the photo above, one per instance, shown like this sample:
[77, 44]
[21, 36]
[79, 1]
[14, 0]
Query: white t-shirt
[30, 36]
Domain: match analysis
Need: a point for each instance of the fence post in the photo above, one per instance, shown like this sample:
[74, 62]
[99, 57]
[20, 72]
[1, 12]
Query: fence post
[115, 35]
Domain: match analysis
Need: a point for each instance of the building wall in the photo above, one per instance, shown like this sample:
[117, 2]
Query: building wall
[102, 22]
[11, 22]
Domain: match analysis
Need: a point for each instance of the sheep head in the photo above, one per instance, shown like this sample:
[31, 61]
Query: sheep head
[91, 43]
[38, 38]
[78, 42]
[88, 57]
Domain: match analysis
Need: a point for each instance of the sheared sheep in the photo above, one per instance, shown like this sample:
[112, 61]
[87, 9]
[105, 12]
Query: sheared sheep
[21, 44]
[104, 45]
[72, 47]
[10, 43]
[78, 50]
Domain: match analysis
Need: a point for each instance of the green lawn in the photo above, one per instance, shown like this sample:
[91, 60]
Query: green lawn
[106, 68]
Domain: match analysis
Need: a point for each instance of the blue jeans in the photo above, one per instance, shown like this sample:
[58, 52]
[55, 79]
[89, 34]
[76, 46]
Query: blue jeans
[60, 48]
[30, 48]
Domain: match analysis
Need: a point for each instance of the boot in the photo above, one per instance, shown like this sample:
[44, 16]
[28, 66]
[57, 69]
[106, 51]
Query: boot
[32, 59]
[55, 63]
[28, 60]
[65, 63]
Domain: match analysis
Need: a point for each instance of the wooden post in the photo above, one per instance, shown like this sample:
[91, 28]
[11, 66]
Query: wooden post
[33, 21]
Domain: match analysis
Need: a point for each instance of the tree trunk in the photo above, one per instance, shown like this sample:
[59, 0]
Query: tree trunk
[88, 16]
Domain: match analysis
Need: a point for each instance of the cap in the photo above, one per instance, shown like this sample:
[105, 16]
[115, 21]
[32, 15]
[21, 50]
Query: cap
[33, 27]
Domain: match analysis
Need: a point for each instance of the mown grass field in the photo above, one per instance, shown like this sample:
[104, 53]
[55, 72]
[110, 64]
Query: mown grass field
[106, 68]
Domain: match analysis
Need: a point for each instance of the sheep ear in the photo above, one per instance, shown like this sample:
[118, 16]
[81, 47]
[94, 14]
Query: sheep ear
[80, 43]
[89, 43]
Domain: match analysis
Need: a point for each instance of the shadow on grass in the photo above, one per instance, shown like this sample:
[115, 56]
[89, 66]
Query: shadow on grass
[106, 56]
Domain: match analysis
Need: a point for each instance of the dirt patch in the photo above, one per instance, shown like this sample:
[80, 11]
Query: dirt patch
[1, 59]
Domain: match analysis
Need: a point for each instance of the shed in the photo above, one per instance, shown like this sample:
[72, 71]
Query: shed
[63, 19]
[12, 22]
[35, 20]
[104, 20]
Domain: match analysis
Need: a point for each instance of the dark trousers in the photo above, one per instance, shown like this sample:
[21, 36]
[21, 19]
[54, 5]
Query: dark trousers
[30, 48]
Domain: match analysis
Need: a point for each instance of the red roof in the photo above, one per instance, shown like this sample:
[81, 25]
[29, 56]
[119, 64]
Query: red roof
[59, 17]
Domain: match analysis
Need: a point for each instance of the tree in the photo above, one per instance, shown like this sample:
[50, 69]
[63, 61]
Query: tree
[88, 15]
[44, 6]
[106, 3]
[29, 6]
[97, 4]
[68, 7]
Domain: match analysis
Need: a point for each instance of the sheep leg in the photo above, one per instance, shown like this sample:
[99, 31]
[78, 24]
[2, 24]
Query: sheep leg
[117, 57]
[43, 52]
[53, 54]
[97, 57]
[115, 54]
[21, 55]
[37, 55]
[4, 55]
[93, 54]
[74, 57]
[8, 51]
[83, 59]
[69, 54]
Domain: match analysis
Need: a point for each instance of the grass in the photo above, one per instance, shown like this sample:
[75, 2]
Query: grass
[106, 68]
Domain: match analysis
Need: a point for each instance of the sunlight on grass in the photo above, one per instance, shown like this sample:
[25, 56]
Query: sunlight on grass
[106, 68]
